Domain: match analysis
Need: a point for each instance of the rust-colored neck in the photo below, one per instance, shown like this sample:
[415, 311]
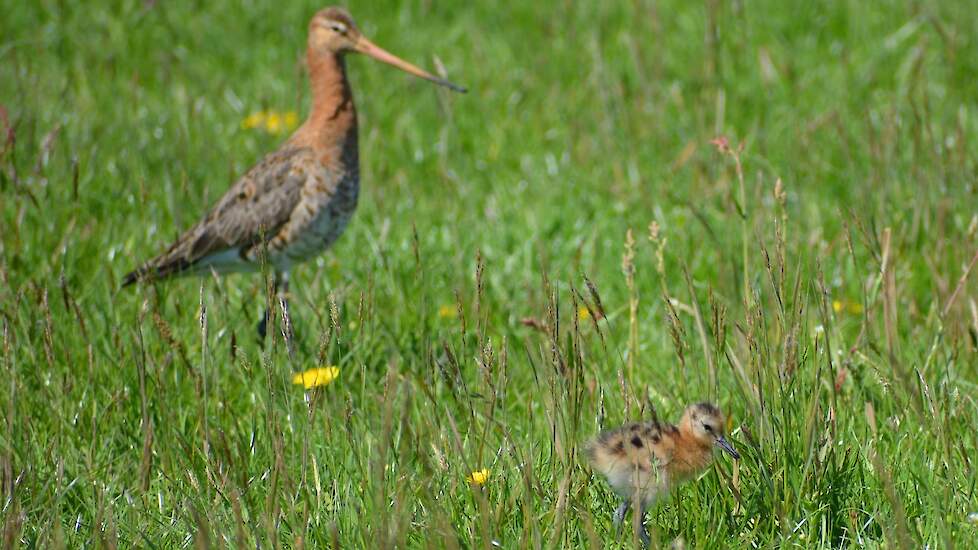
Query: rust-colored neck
[332, 124]
[690, 456]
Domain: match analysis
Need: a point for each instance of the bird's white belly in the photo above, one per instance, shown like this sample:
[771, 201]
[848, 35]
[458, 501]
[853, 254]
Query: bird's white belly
[627, 481]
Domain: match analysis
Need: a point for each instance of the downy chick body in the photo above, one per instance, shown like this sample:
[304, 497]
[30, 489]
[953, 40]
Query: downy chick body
[645, 459]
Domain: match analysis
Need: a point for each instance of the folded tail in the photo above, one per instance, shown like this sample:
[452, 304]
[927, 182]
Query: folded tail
[156, 269]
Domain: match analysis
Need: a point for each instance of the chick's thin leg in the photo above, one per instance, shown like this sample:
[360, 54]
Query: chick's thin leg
[637, 519]
[643, 533]
[620, 513]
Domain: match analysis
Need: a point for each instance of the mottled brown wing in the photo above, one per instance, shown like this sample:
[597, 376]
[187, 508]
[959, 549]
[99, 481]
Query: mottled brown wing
[255, 207]
[637, 445]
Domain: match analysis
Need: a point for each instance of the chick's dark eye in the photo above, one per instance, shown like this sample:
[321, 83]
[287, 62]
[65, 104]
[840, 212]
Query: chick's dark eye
[338, 28]
[707, 427]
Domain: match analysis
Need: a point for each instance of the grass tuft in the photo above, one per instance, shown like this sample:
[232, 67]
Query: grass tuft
[495, 300]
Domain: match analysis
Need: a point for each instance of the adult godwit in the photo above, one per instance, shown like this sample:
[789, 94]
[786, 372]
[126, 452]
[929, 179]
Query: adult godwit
[644, 460]
[296, 201]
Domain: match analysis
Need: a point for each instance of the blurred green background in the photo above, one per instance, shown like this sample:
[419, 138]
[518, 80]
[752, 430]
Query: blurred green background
[832, 315]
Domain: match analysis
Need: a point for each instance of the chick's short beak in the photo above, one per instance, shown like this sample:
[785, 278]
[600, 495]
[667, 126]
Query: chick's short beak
[726, 446]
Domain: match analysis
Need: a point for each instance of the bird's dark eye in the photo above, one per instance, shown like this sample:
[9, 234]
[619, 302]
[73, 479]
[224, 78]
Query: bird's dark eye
[338, 28]
[708, 428]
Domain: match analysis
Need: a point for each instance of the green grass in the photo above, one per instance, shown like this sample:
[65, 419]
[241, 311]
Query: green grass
[837, 322]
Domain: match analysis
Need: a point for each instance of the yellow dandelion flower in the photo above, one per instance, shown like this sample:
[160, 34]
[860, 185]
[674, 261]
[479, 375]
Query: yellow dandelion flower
[316, 377]
[291, 120]
[254, 120]
[274, 123]
[852, 308]
[478, 477]
[447, 311]
[583, 313]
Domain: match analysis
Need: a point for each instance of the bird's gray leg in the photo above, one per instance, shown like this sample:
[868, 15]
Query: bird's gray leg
[263, 324]
[282, 290]
[280, 285]
[643, 533]
[283, 299]
[621, 512]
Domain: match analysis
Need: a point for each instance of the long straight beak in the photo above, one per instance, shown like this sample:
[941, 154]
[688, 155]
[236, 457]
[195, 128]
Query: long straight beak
[726, 446]
[367, 47]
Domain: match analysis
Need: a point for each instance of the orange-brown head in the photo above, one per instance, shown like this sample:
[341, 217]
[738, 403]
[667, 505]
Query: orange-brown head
[332, 31]
[704, 423]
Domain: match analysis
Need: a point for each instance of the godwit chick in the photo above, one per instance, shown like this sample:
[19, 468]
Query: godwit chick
[643, 460]
[296, 202]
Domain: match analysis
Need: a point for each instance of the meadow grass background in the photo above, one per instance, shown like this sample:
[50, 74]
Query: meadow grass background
[833, 315]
